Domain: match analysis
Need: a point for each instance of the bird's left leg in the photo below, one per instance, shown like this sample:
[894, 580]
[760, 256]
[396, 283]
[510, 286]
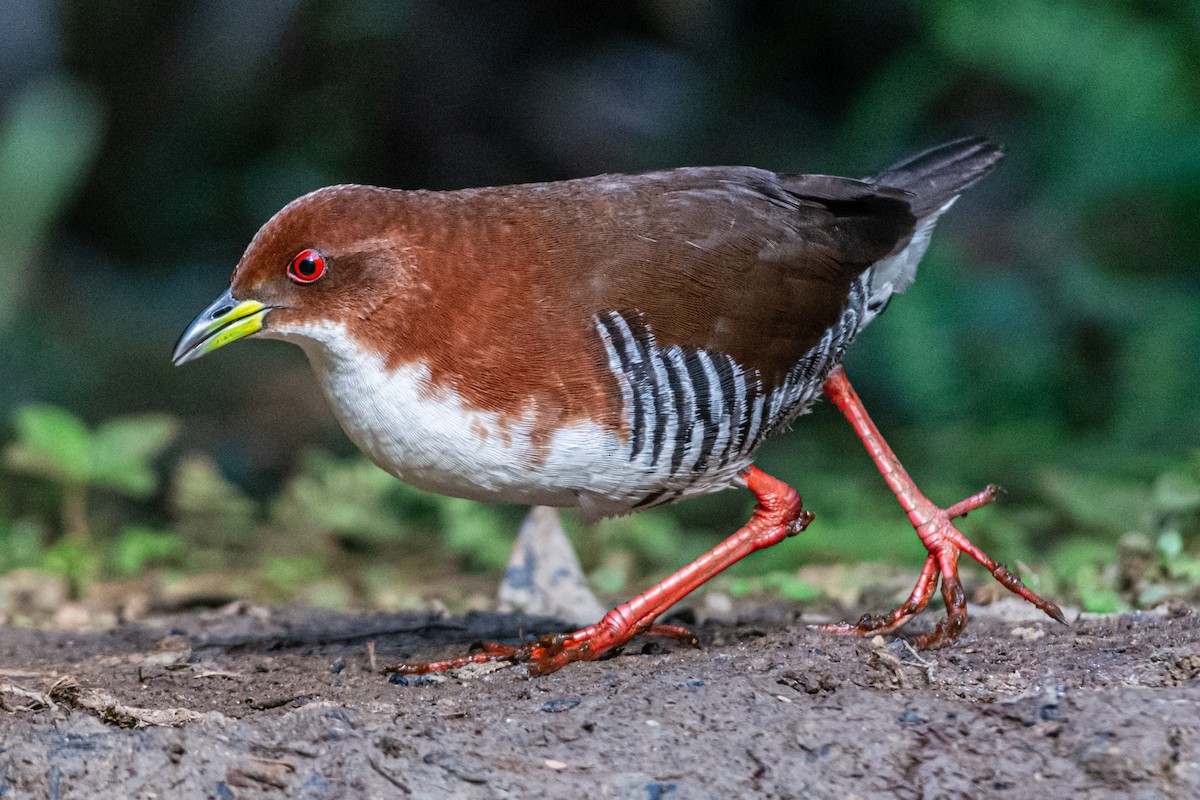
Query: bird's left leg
[777, 515]
[938, 533]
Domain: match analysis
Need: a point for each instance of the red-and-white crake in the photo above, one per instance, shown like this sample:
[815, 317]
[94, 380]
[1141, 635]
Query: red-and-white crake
[609, 344]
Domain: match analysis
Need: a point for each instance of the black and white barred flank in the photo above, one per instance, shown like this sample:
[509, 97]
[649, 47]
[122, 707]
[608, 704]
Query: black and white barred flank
[695, 417]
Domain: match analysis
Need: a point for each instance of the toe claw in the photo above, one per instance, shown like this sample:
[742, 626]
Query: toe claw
[802, 521]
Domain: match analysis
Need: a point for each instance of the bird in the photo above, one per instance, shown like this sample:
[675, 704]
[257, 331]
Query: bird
[610, 344]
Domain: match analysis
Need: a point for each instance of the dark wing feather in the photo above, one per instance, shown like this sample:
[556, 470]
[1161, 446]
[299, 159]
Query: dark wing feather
[737, 260]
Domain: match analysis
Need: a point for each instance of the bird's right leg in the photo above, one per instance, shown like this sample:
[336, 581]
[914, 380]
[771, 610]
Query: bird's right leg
[777, 515]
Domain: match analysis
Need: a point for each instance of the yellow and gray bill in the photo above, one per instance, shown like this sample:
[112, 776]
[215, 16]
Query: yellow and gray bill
[225, 321]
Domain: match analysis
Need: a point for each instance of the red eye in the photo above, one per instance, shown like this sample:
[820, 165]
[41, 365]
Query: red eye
[307, 266]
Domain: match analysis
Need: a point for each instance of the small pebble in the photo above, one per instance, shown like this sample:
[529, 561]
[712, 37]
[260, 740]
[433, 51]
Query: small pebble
[564, 704]
[411, 680]
[1029, 634]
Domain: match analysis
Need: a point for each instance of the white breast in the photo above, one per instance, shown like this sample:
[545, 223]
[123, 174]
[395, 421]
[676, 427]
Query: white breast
[427, 437]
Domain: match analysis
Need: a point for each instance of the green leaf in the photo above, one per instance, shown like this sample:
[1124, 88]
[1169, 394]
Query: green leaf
[1102, 601]
[74, 559]
[347, 497]
[609, 579]
[1177, 492]
[1082, 553]
[208, 509]
[740, 587]
[20, 544]
[138, 547]
[791, 587]
[289, 573]
[51, 443]
[124, 448]
[1170, 545]
[1185, 569]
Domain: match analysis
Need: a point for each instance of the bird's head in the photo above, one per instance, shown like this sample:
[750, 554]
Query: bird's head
[330, 256]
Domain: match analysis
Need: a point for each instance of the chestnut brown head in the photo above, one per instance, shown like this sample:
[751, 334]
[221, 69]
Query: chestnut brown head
[332, 254]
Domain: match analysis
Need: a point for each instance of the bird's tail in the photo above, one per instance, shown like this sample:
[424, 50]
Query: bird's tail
[934, 179]
[937, 176]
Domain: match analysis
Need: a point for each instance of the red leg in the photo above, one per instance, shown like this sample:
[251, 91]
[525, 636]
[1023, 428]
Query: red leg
[933, 524]
[777, 515]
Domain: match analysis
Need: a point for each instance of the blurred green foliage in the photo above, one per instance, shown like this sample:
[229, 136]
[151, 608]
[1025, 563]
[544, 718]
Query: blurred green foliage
[137, 549]
[49, 135]
[1125, 543]
[54, 444]
[1050, 343]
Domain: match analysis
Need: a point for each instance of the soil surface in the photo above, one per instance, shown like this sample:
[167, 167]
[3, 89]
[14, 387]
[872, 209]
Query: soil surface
[282, 702]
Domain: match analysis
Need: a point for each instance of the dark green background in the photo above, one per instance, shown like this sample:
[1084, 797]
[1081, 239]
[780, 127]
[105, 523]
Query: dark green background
[1051, 342]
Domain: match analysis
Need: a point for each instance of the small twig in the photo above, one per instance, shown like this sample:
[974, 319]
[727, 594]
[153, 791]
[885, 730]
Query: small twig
[218, 673]
[39, 700]
[393, 780]
[67, 691]
[881, 657]
[267, 705]
[371, 657]
[23, 673]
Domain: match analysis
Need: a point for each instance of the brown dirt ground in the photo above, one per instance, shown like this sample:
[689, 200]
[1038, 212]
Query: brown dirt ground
[281, 702]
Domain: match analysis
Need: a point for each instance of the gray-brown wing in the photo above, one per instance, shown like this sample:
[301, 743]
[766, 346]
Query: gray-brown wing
[737, 260]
